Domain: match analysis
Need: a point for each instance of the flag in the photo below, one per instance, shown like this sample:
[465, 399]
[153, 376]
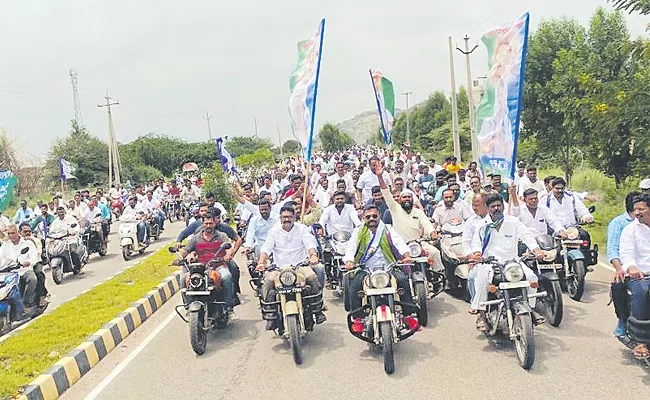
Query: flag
[226, 159]
[7, 183]
[66, 170]
[385, 97]
[303, 84]
[498, 114]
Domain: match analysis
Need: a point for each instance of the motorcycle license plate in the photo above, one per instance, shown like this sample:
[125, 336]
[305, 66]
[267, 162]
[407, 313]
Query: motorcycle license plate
[550, 266]
[288, 290]
[514, 285]
[198, 293]
[420, 260]
[379, 292]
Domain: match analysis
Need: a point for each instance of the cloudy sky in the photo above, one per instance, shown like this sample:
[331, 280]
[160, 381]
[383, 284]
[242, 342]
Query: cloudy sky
[166, 62]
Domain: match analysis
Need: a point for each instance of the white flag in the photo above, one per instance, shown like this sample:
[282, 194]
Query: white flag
[66, 170]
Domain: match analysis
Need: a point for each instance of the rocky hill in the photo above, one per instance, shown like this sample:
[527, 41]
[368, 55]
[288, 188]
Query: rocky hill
[362, 126]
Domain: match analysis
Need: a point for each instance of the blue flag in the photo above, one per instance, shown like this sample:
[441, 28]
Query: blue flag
[227, 161]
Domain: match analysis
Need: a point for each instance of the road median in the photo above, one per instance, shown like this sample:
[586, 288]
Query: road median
[99, 319]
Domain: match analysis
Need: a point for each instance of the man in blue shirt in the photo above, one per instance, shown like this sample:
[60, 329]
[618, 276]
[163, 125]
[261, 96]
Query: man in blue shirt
[619, 291]
[23, 214]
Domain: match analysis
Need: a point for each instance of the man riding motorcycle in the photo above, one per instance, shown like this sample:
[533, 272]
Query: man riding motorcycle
[11, 250]
[152, 205]
[134, 209]
[41, 291]
[499, 239]
[567, 207]
[374, 245]
[90, 215]
[339, 217]
[289, 243]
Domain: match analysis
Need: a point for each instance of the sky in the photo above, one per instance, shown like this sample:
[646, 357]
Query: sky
[167, 62]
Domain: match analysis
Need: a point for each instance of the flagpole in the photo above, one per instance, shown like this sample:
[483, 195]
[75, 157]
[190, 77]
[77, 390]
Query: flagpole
[313, 106]
[381, 118]
[304, 193]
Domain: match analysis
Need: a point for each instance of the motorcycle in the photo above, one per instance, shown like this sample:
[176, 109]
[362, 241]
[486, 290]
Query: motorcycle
[128, 235]
[60, 255]
[552, 305]
[11, 298]
[92, 237]
[256, 276]
[578, 257]
[425, 282]
[186, 210]
[508, 310]
[638, 331]
[451, 250]
[296, 310]
[381, 320]
[153, 227]
[203, 298]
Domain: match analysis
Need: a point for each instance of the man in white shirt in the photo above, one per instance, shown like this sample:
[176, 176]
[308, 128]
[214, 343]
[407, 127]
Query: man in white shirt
[91, 215]
[270, 188]
[314, 179]
[375, 245]
[537, 217]
[11, 251]
[290, 243]
[190, 192]
[340, 174]
[152, 205]
[80, 204]
[568, 208]
[635, 259]
[4, 224]
[321, 194]
[136, 211]
[339, 217]
[259, 226]
[450, 210]
[369, 179]
[530, 181]
[400, 172]
[499, 239]
[69, 224]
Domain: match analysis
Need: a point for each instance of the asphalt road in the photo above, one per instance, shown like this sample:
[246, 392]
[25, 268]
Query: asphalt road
[447, 360]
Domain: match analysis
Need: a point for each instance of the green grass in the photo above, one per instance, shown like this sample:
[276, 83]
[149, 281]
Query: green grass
[33, 350]
[611, 200]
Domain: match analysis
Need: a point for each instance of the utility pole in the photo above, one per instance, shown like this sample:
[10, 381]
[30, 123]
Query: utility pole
[472, 110]
[255, 123]
[75, 97]
[408, 114]
[208, 117]
[279, 139]
[114, 163]
[454, 103]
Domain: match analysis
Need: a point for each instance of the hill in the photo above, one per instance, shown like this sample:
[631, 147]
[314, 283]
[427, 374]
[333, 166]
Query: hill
[362, 126]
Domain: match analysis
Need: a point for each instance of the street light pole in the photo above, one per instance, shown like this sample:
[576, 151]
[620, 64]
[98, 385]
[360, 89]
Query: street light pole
[408, 123]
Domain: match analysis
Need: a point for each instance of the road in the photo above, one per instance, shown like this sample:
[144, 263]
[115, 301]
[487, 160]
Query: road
[447, 360]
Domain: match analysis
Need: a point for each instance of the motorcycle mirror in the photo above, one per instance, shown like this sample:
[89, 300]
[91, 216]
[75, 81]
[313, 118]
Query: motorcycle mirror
[225, 246]
[172, 249]
[73, 226]
[98, 215]
[592, 209]
[24, 250]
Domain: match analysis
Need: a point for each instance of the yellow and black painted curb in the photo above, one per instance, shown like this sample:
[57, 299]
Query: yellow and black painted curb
[68, 370]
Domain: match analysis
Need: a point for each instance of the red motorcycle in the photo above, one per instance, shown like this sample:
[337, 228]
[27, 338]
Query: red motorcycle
[117, 206]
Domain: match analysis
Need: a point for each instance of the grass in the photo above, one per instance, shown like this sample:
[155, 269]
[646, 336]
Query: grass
[611, 199]
[33, 350]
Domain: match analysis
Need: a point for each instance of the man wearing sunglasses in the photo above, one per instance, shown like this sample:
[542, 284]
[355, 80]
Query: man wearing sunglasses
[373, 246]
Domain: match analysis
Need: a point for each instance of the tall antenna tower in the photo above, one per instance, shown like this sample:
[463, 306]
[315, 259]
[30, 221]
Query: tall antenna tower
[75, 97]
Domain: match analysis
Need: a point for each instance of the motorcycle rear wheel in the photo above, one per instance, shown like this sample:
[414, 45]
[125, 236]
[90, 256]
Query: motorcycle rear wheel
[525, 341]
[294, 337]
[5, 321]
[421, 301]
[386, 331]
[198, 335]
[57, 275]
[576, 283]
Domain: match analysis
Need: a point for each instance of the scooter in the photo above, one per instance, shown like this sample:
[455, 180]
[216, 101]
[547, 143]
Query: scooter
[60, 255]
[92, 237]
[128, 234]
[11, 299]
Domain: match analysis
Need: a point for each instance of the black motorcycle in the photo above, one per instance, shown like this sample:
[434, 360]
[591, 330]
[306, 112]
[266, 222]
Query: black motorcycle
[203, 298]
[256, 279]
[426, 282]
[548, 270]
[638, 331]
[93, 237]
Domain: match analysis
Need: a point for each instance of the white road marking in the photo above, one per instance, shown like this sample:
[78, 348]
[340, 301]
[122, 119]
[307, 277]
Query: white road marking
[606, 266]
[120, 367]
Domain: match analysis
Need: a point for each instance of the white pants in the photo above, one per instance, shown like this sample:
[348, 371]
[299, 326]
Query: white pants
[434, 253]
[484, 275]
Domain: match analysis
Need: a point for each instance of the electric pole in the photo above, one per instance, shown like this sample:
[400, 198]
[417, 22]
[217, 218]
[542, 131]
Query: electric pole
[472, 110]
[279, 139]
[114, 163]
[75, 97]
[408, 112]
[255, 124]
[208, 117]
[454, 103]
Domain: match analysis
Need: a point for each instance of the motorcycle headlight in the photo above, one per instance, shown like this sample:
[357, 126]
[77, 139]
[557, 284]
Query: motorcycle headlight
[196, 280]
[379, 279]
[288, 278]
[416, 249]
[572, 233]
[4, 291]
[550, 255]
[513, 272]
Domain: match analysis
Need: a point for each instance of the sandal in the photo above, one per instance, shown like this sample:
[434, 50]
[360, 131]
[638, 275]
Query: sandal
[641, 352]
[471, 311]
[538, 319]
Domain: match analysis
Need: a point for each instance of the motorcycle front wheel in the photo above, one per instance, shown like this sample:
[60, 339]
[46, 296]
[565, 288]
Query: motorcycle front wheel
[294, 335]
[553, 303]
[198, 335]
[386, 331]
[577, 281]
[126, 253]
[421, 301]
[57, 275]
[525, 341]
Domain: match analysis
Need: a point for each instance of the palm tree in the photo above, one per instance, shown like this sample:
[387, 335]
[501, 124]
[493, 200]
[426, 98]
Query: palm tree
[640, 6]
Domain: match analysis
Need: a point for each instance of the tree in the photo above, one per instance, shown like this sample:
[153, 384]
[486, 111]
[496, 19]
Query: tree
[291, 147]
[240, 145]
[640, 6]
[87, 152]
[260, 158]
[333, 139]
[215, 181]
